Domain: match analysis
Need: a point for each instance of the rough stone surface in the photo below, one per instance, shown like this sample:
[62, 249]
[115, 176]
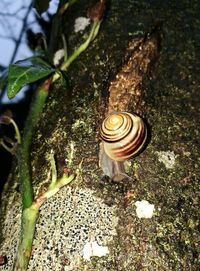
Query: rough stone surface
[72, 218]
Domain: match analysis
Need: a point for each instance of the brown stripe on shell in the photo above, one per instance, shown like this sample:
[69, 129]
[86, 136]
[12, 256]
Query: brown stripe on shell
[115, 135]
[131, 148]
[127, 140]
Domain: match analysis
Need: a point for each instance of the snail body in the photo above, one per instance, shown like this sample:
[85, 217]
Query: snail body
[123, 134]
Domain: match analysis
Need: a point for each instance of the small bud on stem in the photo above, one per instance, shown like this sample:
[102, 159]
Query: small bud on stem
[6, 117]
[95, 13]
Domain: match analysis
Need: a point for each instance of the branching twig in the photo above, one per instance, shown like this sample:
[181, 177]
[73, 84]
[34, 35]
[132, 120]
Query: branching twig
[21, 33]
[82, 47]
[31, 206]
[29, 219]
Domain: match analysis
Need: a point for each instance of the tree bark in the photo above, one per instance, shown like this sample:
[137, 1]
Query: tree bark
[94, 209]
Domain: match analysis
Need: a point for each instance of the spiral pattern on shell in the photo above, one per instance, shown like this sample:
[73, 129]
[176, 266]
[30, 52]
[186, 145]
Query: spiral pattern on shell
[123, 135]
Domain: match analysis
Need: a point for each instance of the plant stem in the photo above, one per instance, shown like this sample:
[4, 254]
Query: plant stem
[29, 219]
[24, 151]
[8, 149]
[83, 46]
[65, 6]
[17, 133]
[56, 24]
[30, 206]
[65, 47]
[33, 117]
[53, 170]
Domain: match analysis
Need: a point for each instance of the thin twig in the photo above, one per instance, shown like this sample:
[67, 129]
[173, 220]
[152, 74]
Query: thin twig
[21, 33]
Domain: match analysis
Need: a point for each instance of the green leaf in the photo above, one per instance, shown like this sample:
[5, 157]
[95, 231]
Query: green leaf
[26, 71]
[41, 5]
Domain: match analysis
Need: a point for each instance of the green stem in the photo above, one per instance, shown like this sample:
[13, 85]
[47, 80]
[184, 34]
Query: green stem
[33, 117]
[56, 25]
[29, 219]
[83, 46]
[45, 44]
[53, 170]
[17, 133]
[24, 164]
[8, 149]
[55, 187]
[31, 207]
[65, 6]
[65, 47]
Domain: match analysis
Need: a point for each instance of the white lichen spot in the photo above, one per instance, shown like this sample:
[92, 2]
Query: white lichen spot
[144, 209]
[93, 249]
[70, 153]
[81, 23]
[167, 158]
[68, 221]
[187, 153]
[58, 56]
[77, 124]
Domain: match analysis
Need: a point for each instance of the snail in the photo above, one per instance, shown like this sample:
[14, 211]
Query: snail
[123, 135]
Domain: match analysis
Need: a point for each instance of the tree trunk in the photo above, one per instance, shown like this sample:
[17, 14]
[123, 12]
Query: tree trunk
[92, 224]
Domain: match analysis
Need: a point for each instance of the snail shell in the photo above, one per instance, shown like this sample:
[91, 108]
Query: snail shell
[123, 135]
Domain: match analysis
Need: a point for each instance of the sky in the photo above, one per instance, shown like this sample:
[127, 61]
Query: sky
[11, 19]
[12, 14]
